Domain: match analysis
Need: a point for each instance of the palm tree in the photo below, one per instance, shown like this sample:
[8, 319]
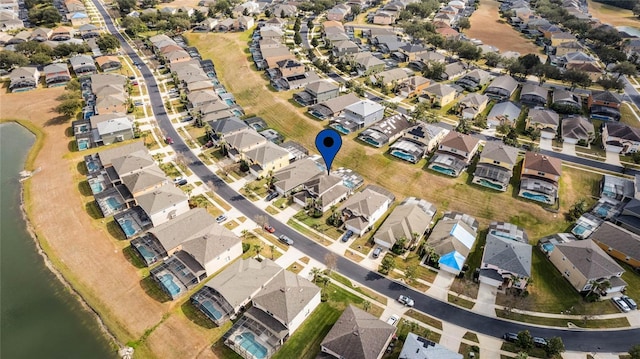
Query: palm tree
[273, 250]
[258, 249]
[366, 305]
[316, 273]
[599, 285]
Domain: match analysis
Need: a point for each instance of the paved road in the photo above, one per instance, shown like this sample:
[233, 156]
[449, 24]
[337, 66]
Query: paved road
[574, 340]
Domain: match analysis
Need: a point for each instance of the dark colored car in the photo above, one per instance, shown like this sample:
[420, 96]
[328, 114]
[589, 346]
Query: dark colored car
[272, 196]
[169, 140]
[347, 235]
[510, 337]
[539, 342]
[181, 182]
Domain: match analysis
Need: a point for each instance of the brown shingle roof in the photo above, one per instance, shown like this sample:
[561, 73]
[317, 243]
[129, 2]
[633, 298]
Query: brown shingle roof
[460, 141]
[541, 163]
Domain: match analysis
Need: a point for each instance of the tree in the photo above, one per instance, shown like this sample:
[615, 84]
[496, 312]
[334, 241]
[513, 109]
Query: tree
[434, 70]
[126, 6]
[492, 59]
[10, 60]
[331, 261]
[44, 16]
[314, 42]
[258, 248]
[522, 355]
[463, 126]
[610, 55]
[410, 274]
[297, 39]
[69, 107]
[464, 23]
[576, 78]
[625, 68]
[387, 265]
[634, 351]
[198, 16]
[610, 82]
[366, 305]
[529, 62]
[316, 273]
[525, 340]
[554, 346]
[133, 25]
[107, 43]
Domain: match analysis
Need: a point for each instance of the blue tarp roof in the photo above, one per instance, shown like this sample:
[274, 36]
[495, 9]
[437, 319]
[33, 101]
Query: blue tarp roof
[453, 260]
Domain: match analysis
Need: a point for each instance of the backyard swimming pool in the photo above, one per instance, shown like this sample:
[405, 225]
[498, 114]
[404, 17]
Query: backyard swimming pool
[486, 183]
[403, 156]
[92, 166]
[113, 203]
[170, 286]
[341, 129]
[536, 197]
[446, 171]
[548, 247]
[211, 310]
[83, 145]
[248, 342]
[127, 227]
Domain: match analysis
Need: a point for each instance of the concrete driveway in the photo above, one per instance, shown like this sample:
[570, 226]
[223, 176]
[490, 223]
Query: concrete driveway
[485, 304]
[441, 285]
[569, 149]
[546, 144]
[613, 158]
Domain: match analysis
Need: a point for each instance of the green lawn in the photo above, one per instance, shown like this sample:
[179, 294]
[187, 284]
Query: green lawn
[319, 224]
[423, 318]
[563, 323]
[305, 342]
[362, 290]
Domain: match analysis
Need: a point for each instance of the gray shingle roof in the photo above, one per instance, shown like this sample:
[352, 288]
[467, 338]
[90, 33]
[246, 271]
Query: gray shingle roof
[589, 259]
[192, 224]
[107, 156]
[619, 239]
[498, 151]
[411, 216]
[286, 295]
[508, 255]
[358, 335]
[132, 162]
[144, 179]
[162, 198]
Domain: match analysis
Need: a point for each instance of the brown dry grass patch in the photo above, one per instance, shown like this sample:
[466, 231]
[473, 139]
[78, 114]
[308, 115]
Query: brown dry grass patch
[612, 15]
[488, 26]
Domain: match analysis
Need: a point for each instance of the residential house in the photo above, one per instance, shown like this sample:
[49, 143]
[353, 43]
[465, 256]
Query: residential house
[197, 255]
[472, 104]
[385, 131]
[495, 167]
[293, 177]
[577, 130]
[272, 55]
[144, 180]
[503, 113]
[620, 138]
[83, 65]
[164, 204]
[24, 79]
[383, 18]
[453, 70]
[365, 63]
[534, 95]
[277, 312]
[110, 128]
[424, 58]
[539, 178]
[321, 192]
[198, 99]
[474, 80]
[502, 87]
[565, 98]
[448, 32]
[315, 92]
[89, 31]
[546, 121]
[416, 347]
[506, 260]
[618, 242]
[108, 63]
[285, 11]
[40, 34]
[240, 142]
[79, 18]
[357, 335]
[408, 222]
[206, 25]
[562, 37]
[617, 188]
[584, 264]
[22, 36]
[225, 127]
[438, 95]
[629, 218]
[338, 12]
[363, 209]
[586, 224]
[417, 141]
[452, 239]
[243, 23]
[266, 159]
[109, 92]
[333, 107]
[454, 154]
[56, 75]
[358, 115]
[604, 105]
[388, 43]
[413, 86]
[228, 293]
[568, 47]
[62, 33]
[411, 52]
[591, 68]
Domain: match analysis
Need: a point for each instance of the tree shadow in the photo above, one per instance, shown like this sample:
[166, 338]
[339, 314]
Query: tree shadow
[93, 210]
[152, 288]
[72, 146]
[115, 231]
[85, 189]
[81, 167]
[55, 121]
[69, 132]
[196, 316]
[131, 257]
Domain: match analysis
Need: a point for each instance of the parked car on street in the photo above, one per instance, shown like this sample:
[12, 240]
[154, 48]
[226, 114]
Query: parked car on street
[286, 240]
[510, 337]
[406, 300]
[539, 342]
[269, 228]
[273, 195]
[169, 140]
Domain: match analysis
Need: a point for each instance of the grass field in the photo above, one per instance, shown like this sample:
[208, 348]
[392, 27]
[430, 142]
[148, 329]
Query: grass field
[486, 25]
[251, 91]
[563, 323]
[612, 15]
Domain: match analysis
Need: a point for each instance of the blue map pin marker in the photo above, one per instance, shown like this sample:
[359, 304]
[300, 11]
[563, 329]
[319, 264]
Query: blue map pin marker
[328, 143]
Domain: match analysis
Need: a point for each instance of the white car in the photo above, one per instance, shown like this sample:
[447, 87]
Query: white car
[621, 304]
[406, 300]
[393, 320]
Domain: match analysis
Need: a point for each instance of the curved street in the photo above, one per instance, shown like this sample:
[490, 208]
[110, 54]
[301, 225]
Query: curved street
[615, 340]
